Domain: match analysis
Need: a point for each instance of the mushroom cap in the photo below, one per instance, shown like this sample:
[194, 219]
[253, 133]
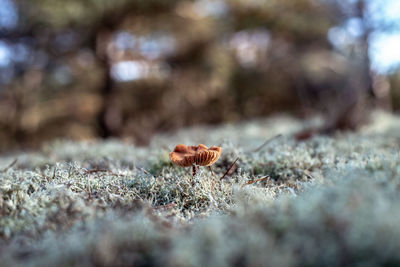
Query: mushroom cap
[186, 156]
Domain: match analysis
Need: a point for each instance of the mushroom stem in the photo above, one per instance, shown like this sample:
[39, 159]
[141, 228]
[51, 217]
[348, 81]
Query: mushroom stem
[194, 170]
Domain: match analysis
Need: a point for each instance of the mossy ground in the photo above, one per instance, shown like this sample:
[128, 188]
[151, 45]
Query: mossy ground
[325, 201]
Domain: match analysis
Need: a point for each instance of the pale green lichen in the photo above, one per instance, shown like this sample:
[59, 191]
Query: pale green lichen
[325, 201]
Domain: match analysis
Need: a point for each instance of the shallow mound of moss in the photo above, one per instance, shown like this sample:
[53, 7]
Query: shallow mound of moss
[323, 201]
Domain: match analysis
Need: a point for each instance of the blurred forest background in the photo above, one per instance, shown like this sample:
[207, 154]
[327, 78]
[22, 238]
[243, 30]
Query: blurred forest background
[85, 69]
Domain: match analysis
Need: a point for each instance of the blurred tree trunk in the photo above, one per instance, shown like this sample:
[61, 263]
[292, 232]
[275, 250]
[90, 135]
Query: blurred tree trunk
[354, 110]
[102, 39]
[365, 59]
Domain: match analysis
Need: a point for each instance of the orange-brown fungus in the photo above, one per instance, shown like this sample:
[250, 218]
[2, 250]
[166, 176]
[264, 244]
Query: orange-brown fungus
[201, 155]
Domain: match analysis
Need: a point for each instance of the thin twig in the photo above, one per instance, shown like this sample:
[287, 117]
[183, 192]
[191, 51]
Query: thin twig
[230, 167]
[267, 142]
[54, 173]
[166, 206]
[102, 170]
[257, 180]
[143, 170]
[89, 189]
[10, 166]
[95, 170]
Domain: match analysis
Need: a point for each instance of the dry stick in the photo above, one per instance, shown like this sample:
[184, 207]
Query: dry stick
[102, 170]
[257, 180]
[54, 173]
[165, 206]
[266, 142]
[89, 190]
[9, 166]
[95, 170]
[230, 167]
[143, 170]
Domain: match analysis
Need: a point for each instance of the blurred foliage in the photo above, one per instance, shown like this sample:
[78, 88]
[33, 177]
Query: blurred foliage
[129, 68]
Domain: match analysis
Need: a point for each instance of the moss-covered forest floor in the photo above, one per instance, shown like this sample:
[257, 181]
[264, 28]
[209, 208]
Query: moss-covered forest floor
[324, 201]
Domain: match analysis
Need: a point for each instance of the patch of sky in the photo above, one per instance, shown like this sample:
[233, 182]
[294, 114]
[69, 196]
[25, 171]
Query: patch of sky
[8, 14]
[341, 38]
[383, 18]
[154, 46]
[125, 40]
[20, 52]
[214, 8]
[151, 46]
[385, 52]
[5, 54]
[354, 27]
[386, 12]
[129, 70]
[385, 41]
[248, 45]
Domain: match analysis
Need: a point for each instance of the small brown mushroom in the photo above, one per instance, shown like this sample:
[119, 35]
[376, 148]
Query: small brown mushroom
[200, 155]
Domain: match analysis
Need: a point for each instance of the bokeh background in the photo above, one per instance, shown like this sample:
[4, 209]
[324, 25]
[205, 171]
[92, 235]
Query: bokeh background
[85, 69]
